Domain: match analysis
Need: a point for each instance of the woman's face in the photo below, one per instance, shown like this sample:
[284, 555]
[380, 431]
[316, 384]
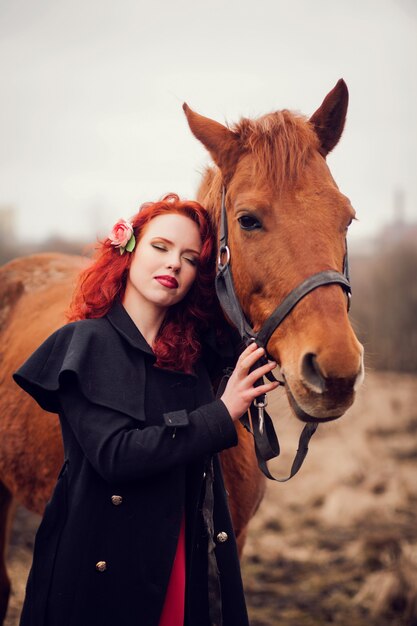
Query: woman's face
[165, 260]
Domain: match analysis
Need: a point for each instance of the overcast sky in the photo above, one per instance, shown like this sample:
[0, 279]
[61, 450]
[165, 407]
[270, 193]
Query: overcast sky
[91, 91]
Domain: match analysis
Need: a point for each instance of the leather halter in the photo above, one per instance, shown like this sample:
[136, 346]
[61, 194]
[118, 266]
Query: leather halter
[266, 441]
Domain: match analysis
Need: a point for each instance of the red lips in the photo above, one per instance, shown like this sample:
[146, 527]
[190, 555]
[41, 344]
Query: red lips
[167, 281]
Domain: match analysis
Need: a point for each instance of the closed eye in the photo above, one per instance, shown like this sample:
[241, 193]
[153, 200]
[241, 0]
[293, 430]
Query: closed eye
[249, 222]
[159, 246]
[163, 248]
[191, 260]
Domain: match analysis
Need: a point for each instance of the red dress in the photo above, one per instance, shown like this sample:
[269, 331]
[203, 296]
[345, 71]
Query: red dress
[173, 609]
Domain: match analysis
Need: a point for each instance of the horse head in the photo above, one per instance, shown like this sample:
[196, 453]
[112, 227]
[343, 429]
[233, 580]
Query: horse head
[288, 220]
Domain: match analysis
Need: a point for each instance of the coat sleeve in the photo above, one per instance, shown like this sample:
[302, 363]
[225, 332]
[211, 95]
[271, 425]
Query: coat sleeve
[121, 453]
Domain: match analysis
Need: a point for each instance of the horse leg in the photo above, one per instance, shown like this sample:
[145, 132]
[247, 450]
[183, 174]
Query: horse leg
[5, 501]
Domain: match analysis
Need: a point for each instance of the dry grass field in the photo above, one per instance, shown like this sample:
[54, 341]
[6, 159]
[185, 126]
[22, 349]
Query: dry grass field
[338, 543]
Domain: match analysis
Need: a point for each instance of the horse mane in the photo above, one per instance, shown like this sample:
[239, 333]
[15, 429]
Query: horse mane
[281, 143]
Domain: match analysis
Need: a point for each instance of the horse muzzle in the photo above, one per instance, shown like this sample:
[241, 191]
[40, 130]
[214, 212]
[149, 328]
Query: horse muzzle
[315, 397]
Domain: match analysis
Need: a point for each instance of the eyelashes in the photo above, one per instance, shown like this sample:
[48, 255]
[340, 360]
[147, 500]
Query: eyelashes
[158, 246]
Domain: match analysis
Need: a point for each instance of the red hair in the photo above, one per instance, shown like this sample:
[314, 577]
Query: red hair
[177, 345]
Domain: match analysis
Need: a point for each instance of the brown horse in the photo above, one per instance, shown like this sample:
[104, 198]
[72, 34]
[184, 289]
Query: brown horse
[276, 177]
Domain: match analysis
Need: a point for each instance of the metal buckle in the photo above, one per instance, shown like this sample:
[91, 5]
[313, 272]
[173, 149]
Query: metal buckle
[223, 250]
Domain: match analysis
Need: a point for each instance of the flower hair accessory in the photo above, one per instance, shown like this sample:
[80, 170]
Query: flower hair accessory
[122, 236]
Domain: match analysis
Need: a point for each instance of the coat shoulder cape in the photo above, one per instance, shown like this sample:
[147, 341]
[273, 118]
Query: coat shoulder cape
[105, 365]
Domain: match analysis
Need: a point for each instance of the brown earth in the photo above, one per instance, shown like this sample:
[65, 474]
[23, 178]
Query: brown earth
[338, 543]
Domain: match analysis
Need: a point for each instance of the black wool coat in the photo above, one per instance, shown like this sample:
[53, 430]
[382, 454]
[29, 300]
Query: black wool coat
[137, 440]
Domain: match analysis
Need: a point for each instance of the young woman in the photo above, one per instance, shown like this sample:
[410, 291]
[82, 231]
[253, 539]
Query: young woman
[138, 531]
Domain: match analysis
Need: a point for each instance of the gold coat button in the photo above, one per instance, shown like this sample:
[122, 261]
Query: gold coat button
[116, 500]
[101, 566]
[222, 537]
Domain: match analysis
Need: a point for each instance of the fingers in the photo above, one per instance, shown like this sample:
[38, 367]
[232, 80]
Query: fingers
[249, 356]
[261, 371]
[251, 349]
[240, 392]
[258, 391]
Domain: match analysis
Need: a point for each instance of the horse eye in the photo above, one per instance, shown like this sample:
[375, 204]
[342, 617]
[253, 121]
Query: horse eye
[248, 222]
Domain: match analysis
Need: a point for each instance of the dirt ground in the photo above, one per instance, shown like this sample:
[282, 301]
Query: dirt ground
[338, 543]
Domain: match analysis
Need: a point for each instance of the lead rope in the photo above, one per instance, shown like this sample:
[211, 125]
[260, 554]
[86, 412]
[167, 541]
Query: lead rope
[266, 441]
[261, 427]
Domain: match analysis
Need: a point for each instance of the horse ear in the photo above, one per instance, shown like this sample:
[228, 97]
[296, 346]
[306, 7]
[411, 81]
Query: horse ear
[221, 142]
[329, 119]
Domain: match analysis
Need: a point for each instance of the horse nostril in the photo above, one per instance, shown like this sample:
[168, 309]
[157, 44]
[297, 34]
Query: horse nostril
[312, 376]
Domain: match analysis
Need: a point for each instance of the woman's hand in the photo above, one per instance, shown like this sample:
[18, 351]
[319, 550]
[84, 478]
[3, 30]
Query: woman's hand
[240, 391]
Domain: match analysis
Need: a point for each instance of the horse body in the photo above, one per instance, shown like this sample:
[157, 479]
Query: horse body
[277, 179]
[34, 292]
[31, 451]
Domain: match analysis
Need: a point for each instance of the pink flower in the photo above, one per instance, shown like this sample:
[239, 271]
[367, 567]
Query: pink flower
[121, 233]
